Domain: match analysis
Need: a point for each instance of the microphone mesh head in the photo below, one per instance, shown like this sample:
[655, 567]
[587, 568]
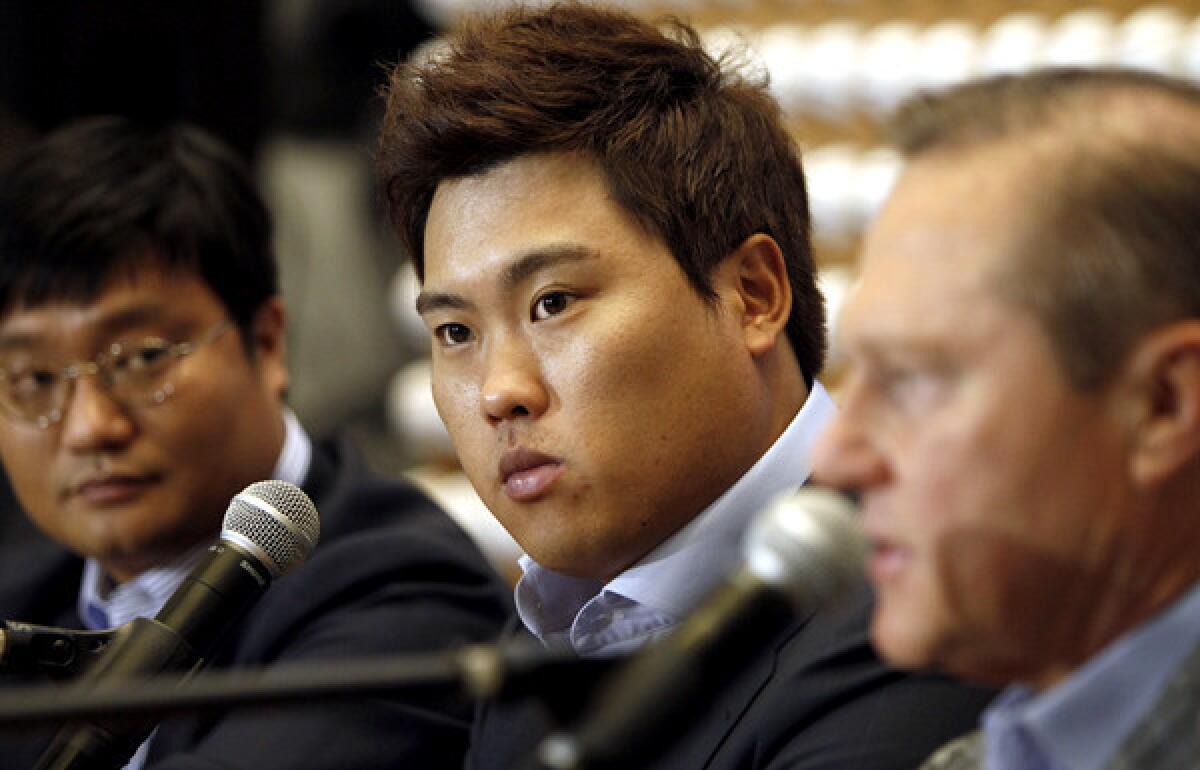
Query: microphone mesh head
[807, 544]
[276, 520]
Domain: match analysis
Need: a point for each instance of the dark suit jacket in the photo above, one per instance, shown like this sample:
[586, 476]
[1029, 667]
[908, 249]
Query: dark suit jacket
[816, 697]
[392, 574]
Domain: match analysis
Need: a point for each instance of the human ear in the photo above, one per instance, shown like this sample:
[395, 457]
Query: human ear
[1164, 371]
[268, 340]
[755, 277]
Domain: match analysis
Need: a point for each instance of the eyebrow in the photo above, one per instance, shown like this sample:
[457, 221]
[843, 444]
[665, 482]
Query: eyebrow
[521, 269]
[113, 324]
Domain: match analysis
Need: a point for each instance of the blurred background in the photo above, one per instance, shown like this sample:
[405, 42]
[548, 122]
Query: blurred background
[293, 84]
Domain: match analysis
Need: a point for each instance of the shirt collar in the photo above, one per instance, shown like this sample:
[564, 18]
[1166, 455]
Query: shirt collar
[296, 455]
[672, 578]
[105, 605]
[1063, 725]
[102, 604]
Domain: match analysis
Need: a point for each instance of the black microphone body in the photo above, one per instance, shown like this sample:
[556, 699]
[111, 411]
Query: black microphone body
[217, 593]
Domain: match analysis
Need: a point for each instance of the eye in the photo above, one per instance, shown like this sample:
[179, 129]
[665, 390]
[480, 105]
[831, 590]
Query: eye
[914, 389]
[147, 357]
[551, 304]
[150, 354]
[452, 334]
[28, 383]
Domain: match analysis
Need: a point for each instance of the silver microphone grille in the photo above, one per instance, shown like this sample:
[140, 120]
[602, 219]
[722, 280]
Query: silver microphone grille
[276, 521]
[807, 544]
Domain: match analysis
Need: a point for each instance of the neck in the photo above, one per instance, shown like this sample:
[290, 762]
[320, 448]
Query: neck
[786, 389]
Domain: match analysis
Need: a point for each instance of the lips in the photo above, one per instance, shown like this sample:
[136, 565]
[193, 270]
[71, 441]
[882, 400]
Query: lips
[889, 556]
[111, 489]
[526, 475]
[888, 559]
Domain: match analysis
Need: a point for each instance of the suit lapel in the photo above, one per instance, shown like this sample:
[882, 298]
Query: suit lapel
[712, 729]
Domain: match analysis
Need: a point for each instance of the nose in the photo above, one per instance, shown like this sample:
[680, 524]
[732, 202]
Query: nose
[512, 385]
[93, 419]
[846, 458]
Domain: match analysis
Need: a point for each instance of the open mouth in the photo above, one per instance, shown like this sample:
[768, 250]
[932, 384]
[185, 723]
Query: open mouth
[887, 560]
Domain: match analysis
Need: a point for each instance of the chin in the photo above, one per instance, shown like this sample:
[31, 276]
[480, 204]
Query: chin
[570, 565]
[570, 561]
[901, 644]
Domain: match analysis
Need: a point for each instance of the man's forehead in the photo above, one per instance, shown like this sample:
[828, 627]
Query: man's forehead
[925, 278]
[951, 218]
[535, 181]
[504, 272]
[120, 305]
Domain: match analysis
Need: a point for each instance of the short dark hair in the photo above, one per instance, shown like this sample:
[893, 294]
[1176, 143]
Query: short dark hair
[696, 153]
[105, 194]
[1110, 248]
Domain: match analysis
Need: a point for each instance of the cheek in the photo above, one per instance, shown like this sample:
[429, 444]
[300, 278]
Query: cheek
[219, 432]
[965, 462]
[992, 563]
[628, 409]
[207, 414]
[647, 372]
[607, 354]
[946, 500]
[456, 400]
[30, 470]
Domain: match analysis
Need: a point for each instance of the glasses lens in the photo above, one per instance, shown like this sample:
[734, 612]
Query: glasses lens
[139, 372]
[32, 392]
[134, 373]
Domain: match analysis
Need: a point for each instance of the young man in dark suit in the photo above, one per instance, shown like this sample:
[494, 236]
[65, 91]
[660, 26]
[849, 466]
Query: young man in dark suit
[142, 383]
[611, 233]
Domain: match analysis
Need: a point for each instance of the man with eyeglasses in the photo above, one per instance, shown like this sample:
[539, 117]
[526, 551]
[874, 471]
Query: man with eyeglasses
[142, 384]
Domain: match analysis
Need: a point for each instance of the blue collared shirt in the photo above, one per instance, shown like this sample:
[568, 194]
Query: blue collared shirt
[1064, 728]
[105, 605]
[651, 597]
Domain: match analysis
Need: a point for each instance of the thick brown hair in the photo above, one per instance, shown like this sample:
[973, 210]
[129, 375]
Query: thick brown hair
[1108, 165]
[695, 153]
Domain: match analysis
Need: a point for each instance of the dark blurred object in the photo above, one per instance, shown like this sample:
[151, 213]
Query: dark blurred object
[15, 527]
[156, 60]
[13, 135]
[329, 60]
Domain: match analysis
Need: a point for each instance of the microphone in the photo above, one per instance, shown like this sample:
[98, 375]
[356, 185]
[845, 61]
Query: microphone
[269, 528]
[803, 550]
[60, 653]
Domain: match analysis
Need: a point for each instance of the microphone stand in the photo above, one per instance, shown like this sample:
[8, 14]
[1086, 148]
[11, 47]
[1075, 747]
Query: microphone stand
[60, 653]
[477, 671]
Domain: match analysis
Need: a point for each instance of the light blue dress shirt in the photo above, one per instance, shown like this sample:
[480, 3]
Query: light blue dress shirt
[651, 597]
[104, 605]
[1080, 723]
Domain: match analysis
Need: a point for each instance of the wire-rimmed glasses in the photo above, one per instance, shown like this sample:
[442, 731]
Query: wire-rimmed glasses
[133, 374]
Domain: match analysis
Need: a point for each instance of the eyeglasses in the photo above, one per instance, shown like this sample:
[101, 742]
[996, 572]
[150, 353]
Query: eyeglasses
[131, 373]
